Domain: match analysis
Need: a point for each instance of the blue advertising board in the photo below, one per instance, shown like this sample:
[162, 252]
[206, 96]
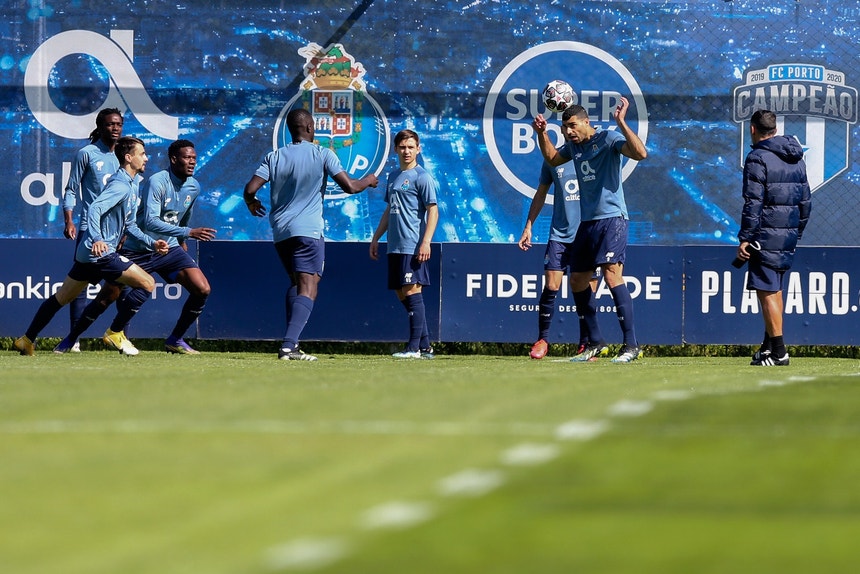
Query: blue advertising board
[480, 293]
[821, 297]
[491, 293]
[249, 285]
[33, 269]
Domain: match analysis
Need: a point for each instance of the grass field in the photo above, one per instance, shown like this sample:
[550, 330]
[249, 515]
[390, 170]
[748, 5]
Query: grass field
[237, 463]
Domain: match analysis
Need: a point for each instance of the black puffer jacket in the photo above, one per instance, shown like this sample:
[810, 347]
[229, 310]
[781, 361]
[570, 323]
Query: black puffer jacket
[777, 199]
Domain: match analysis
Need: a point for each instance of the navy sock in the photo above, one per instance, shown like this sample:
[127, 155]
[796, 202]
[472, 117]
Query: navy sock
[545, 311]
[584, 338]
[777, 345]
[43, 316]
[190, 312]
[587, 312]
[766, 345]
[91, 312]
[77, 306]
[127, 307]
[624, 310]
[417, 320]
[290, 298]
[299, 313]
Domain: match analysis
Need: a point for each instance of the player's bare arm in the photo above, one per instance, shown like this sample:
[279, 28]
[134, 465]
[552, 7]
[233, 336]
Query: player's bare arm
[69, 229]
[351, 186]
[430, 229]
[255, 207]
[202, 234]
[535, 208]
[633, 148]
[380, 231]
[550, 154]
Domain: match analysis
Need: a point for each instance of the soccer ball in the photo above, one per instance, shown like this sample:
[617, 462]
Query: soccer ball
[558, 96]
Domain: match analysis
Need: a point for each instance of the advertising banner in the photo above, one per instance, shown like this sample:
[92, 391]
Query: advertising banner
[821, 294]
[467, 76]
[491, 293]
[479, 293]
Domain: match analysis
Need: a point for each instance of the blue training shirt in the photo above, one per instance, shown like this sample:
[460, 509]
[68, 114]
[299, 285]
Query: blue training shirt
[94, 164]
[565, 203]
[598, 169]
[165, 209]
[408, 193]
[297, 175]
[111, 215]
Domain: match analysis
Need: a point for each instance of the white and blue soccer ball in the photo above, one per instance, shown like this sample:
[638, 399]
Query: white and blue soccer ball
[558, 96]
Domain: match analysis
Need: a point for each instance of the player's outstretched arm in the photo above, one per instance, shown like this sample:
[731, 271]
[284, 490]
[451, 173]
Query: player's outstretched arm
[633, 148]
[351, 186]
[550, 154]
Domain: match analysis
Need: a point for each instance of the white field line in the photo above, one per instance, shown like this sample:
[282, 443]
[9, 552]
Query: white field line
[397, 515]
[305, 554]
[348, 428]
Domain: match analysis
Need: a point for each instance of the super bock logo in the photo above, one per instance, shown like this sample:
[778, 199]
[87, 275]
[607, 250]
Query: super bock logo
[599, 81]
[346, 118]
[811, 103]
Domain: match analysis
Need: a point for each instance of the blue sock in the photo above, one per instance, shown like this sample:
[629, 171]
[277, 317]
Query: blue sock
[127, 307]
[299, 313]
[77, 306]
[43, 316]
[190, 312]
[624, 310]
[546, 308]
[290, 298]
[587, 312]
[417, 320]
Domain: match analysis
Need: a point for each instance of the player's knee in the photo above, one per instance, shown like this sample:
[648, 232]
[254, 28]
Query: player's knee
[148, 283]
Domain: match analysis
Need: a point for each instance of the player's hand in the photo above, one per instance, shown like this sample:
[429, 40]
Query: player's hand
[202, 233]
[69, 231]
[539, 124]
[374, 250]
[371, 179]
[99, 248]
[621, 109]
[160, 246]
[743, 254]
[255, 207]
[424, 252]
[525, 240]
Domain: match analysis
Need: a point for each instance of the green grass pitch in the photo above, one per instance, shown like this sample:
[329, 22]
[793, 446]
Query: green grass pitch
[236, 463]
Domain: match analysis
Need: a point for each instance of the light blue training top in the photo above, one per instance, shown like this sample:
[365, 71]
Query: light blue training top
[598, 169]
[565, 203]
[408, 193]
[111, 215]
[297, 174]
[165, 209]
[94, 164]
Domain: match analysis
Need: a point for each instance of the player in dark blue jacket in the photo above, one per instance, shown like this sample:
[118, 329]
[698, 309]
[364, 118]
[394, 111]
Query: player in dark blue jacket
[777, 204]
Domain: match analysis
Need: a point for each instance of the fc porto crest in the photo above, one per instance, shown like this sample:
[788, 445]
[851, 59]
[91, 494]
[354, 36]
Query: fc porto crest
[347, 119]
[812, 103]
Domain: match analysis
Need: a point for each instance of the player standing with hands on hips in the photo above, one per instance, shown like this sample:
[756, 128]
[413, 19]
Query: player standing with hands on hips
[601, 240]
[297, 173]
[410, 220]
[777, 204]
